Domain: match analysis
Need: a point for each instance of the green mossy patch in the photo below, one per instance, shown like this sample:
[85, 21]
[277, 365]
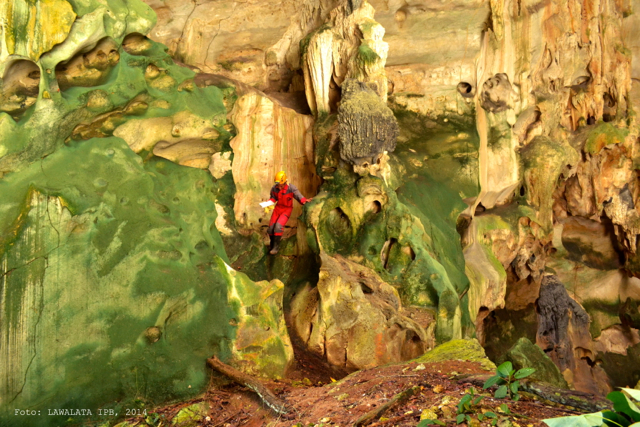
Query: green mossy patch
[468, 350]
[366, 55]
[190, 416]
[602, 135]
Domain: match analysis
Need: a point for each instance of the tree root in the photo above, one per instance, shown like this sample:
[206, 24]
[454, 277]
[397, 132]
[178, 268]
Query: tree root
[576, 399]
[270, 399]
[395, 400]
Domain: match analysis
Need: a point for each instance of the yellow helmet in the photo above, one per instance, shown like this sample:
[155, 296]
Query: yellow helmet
[281, 177]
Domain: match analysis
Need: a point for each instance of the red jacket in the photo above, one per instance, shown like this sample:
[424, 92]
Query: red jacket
[284, 197]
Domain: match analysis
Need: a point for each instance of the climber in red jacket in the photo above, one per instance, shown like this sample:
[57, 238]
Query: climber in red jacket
[282, 194]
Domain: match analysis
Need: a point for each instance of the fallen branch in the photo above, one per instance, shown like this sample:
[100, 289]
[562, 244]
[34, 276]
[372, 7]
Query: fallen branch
[251, 383]
[395, 400]
[576, 399]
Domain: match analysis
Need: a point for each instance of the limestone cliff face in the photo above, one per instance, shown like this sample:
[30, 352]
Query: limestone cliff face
[554, 113]
[113, 274]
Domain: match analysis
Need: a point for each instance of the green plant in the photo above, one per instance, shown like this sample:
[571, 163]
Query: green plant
[428, 422]
[505, 409]
[488, 416]
[467, 405]
[508, 380]
[627, 413]
[155, 420]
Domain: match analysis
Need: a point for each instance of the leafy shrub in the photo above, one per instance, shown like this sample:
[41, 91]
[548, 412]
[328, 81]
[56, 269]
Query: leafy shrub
[627, 413]
[468, 405]
[508, 380]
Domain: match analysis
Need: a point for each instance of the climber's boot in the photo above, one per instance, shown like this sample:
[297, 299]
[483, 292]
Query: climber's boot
[275, 247]
[271, 236]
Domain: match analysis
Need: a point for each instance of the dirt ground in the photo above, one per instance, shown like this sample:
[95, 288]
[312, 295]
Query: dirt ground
[321, 402]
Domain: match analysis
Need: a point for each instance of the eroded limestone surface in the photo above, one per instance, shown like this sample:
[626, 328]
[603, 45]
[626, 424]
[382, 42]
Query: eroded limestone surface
[355, 320]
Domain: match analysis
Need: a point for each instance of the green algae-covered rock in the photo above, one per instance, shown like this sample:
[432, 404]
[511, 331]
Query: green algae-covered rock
[602, 135]
[525, 354]
[363, 219]
[544, 160]
[33, 27]
[191, 415]
[261, 345]
[401, 226]
[469, 350]
[113, 281]
[97, 248]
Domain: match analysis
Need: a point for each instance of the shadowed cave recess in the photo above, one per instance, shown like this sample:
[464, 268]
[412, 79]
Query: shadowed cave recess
[473, 166]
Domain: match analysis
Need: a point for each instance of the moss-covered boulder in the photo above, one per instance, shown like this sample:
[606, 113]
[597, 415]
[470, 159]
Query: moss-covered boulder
[469, 350]
[525, 354]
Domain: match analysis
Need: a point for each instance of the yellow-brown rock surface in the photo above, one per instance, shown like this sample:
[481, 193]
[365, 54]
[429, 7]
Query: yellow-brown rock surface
[355, 320]
[31, 28]
[270, 138]
[350, 46]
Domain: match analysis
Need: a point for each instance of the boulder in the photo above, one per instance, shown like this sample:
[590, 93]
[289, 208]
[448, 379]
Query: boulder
[354, 320]
[469, 350]
[525, 354]
[261, 345]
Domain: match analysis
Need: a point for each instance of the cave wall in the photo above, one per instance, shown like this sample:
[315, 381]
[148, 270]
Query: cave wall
[473, 165]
